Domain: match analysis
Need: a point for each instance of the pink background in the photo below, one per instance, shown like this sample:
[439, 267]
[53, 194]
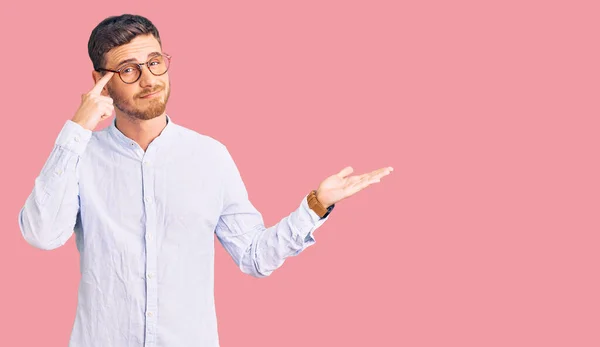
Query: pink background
[486, 233]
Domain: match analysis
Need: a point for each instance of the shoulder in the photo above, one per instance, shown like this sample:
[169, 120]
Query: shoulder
[197, 141]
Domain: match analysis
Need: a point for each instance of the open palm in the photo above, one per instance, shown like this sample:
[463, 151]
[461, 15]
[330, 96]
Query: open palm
[341, 185]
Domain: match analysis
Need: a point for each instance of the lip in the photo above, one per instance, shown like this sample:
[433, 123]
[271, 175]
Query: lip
[148, 96]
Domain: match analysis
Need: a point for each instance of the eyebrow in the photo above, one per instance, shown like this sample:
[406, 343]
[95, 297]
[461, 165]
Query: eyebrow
[132, 60]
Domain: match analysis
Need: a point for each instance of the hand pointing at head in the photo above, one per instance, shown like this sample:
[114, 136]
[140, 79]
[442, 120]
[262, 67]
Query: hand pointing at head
[94, 107]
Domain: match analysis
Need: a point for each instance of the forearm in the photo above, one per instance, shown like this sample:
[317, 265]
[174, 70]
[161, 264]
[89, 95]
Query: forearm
[270, 247]
[49, 214]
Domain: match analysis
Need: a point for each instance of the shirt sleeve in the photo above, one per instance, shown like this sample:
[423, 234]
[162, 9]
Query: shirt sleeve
[258, 250]
[48, 217]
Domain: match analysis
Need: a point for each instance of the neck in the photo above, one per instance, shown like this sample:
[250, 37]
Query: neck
[141, 131]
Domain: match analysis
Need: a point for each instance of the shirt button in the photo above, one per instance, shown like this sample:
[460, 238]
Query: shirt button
[76, 138]
[148, 199]
[149, 236]
[147, 162]
[59, 171]
[149, 314]
[150, 275]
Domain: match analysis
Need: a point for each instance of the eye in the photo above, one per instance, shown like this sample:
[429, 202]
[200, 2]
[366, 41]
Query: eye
[128, 70]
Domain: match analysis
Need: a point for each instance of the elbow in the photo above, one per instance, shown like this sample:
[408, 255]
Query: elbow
[254, 268]
[261, 274]
[34, 240]
[34, 236]
[41, 244]
[259, 264]
[255, 272]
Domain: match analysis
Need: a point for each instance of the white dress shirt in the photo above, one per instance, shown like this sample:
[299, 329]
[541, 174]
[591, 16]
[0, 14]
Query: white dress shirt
[144, 223]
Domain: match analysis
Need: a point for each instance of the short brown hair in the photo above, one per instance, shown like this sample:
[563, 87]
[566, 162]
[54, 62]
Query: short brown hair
[116, 31]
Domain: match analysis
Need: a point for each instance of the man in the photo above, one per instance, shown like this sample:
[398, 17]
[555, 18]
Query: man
[145, 196]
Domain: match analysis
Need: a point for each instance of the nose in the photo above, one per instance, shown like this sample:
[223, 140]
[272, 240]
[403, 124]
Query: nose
[147, 79]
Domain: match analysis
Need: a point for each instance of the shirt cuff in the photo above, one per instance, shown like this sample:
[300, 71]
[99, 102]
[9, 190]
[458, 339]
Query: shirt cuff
[314, 217]
[305, 221]
[73, 137]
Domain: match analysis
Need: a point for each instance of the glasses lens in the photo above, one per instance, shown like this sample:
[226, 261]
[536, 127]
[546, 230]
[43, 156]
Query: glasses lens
[130, 73]
[159, 65]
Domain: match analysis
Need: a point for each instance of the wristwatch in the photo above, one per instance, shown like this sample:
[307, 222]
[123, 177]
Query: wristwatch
[316, 205]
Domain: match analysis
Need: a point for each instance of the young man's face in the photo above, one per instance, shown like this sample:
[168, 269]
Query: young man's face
[147, 97]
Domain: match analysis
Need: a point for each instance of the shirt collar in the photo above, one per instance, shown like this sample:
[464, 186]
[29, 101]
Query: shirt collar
[129, 143]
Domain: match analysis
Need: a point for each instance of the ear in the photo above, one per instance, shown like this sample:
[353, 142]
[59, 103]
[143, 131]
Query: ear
[96, 76]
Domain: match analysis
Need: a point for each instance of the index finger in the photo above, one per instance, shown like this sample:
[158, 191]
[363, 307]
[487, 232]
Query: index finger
[101, 83]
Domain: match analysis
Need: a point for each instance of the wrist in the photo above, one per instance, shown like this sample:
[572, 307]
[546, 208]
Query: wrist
[319, 198]
[317, 206]
[80, 123]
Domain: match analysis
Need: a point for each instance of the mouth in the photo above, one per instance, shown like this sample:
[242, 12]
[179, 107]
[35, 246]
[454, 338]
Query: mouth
[151, 95]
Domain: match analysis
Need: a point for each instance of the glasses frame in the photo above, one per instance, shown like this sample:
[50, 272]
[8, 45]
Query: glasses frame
[139, 67]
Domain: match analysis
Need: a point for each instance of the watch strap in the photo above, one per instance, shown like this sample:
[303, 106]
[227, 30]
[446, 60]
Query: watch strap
[316, 205]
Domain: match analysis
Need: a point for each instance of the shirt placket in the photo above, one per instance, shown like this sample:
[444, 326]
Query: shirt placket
[148, 176]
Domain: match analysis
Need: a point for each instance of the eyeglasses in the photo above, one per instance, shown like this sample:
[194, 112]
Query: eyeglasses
[131, 73]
